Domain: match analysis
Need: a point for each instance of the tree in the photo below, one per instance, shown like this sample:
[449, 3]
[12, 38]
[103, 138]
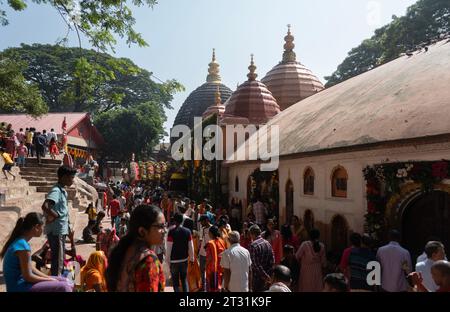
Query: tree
[96, 82]
[143, 130]
[98, 20]
[16, 94]
[425, 22]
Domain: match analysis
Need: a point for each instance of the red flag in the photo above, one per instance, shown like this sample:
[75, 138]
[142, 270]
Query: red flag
[64, 124]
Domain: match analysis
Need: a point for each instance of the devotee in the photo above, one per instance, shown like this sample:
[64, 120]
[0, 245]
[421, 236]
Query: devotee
[107, 239]
[288, 237]
[203, 240]
[56, 213]
[19, 273]
[92, 217]
[28, 141]
[335, 282]
[435, 251]
[113, 210]
[273, 236]
[20, 136]
[22, 152]
[180, 250]
[9, 163]
[224, 229]
[53, 148]
[262, 257]
[167, 206]
[92, 275]
[214, 249]
[423, 257]
[355, 240]
[298, 230]
[292, 263]
[193, 272]
[236, 264]
[246, 239]
[440, 271]
[358, 259]
[395, 264]
[133, 266]
[260, 212]
[281, 279]
[312, 260]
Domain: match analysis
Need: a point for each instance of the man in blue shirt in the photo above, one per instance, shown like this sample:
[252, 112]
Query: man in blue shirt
[57, 218]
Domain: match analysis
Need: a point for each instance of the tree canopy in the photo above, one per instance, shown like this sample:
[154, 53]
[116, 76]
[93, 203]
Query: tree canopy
[98, 20]
[136, 129]
[424, 23]
[16, 94]
[80, 80]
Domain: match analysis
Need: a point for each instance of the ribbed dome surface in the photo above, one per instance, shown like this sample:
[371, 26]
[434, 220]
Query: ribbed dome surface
[252, 100]
[291, 83]
[199, 101]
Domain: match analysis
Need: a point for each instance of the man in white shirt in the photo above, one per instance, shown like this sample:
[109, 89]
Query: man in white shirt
[236, 264]
[52, 135]
[395, 265]
[435, 251]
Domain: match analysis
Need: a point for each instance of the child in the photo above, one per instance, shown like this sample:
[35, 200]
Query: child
[123, 229]
[22, 152]
[53, 147]
[9, 163]
[335, 282]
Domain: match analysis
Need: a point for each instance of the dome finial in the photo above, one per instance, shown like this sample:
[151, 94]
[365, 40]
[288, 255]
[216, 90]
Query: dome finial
[218, 100]
[289, 54]
[252, 75]
[213, 71]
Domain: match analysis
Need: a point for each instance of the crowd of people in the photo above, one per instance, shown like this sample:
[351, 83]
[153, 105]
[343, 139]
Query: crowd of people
[153, 231]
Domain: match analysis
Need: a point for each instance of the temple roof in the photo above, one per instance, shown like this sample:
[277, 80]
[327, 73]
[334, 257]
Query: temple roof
[290, 81]
[407, 98]
[201, 98]
[251, 101]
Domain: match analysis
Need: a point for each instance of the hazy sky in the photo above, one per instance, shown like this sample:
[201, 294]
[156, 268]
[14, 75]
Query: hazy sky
[182, 33]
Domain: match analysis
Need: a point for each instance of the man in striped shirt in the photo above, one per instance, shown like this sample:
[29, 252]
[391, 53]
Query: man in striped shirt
[263, 259]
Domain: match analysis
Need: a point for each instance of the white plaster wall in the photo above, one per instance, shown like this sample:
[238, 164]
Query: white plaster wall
[322, 204]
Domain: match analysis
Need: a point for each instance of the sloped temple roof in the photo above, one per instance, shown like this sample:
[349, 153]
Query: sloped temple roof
[403, 99]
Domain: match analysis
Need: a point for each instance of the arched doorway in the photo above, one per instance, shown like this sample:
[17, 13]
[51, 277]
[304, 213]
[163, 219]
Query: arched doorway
[289, 199]
[426, 215]
[339, 234]
[308, 220]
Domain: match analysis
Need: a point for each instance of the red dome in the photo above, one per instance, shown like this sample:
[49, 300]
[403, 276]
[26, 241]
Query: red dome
[252, 100]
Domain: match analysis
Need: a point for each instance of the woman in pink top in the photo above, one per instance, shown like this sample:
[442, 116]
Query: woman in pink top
[312, 259]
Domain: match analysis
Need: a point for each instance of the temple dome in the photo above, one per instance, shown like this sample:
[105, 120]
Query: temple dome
[290, 81]
[201, 98]
[252, 101]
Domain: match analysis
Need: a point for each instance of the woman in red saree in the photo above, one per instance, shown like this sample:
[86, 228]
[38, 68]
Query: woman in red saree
[214, 249]
[273, 236]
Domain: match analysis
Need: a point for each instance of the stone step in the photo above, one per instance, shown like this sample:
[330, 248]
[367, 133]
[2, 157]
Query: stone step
[54, 166]
[38, 170]
[40, 178]
[11, 183]
[17, 192]
[42, 183]
[43, 161]
[45, 189]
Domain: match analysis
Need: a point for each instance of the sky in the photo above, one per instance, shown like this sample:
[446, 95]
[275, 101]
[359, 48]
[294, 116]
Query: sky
[182, 33]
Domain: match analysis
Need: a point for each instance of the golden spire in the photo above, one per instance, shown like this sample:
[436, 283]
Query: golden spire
[218, 100]
[289, 54]
[252, 75]
[213, 71]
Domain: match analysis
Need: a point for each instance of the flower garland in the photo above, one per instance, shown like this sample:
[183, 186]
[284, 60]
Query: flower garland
[384, 182]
